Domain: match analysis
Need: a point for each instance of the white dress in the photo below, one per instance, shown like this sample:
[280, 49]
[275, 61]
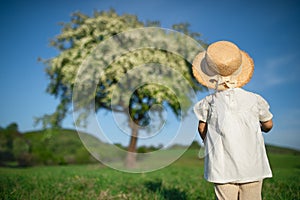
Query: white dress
[234, 145]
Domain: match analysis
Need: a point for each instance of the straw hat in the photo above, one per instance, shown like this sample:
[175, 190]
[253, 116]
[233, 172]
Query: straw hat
[223, 66]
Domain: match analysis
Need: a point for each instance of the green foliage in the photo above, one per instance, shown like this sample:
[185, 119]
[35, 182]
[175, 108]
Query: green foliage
[195, 145]
[13, 147]
[12, 127]
[48, 147]
[182, 180]
[21, 151]
[58, 147]
[147, 149]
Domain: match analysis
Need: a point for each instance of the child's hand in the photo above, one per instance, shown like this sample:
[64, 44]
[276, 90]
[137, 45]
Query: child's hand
[266, 126]
[202, 129]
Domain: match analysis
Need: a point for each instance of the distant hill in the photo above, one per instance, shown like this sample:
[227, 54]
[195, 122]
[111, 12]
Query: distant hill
[270, 149]
[58, 146]
[44, 147]
[63, 146]
[281, 150]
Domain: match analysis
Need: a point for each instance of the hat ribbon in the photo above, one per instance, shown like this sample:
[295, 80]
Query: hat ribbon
[227, 81]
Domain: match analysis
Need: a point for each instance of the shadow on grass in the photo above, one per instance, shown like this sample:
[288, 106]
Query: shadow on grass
[166, 193]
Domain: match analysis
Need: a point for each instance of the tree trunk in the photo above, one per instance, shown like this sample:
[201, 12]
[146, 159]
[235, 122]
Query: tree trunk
[131, 154]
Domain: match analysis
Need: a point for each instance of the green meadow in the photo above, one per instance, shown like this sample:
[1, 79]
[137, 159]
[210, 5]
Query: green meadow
[53, 164]
[181, 180]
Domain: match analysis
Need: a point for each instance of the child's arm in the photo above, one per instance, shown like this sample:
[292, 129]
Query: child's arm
[202, 129]
[266, 126]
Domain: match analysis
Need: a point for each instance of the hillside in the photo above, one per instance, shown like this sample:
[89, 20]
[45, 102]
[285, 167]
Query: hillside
[45, 147]
[281, 150]
[63, 146]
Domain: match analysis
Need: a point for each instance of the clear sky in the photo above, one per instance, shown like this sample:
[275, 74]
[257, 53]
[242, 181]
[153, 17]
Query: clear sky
[267, 30]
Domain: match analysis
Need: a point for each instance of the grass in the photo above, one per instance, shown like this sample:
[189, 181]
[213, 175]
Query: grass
[181, 180]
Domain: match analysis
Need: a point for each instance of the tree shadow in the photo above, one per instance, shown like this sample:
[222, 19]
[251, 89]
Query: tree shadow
[166, 193]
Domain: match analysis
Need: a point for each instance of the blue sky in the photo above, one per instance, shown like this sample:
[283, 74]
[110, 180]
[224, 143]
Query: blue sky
[267, 30]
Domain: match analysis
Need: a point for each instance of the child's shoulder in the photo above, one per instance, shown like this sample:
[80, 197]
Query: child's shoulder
[252, 98]
[207, 99]
[251, 94]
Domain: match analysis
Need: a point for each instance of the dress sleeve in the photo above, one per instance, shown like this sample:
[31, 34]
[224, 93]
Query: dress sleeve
[201, 110]
[264, 109]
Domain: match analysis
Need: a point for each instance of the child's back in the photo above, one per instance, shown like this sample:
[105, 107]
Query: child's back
[234, 143]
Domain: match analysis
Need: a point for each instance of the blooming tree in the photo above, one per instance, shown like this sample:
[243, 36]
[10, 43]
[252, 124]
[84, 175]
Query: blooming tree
[79, 39]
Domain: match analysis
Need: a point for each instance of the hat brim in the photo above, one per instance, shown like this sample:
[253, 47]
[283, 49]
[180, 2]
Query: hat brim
[206, 78]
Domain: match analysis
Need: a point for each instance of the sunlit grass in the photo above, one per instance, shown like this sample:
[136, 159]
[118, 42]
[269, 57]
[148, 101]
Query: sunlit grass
[181, 180]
